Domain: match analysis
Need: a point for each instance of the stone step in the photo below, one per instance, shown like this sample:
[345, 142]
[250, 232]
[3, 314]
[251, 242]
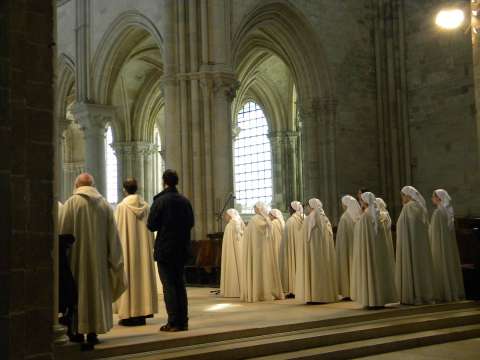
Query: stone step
[360, 349]
[327, 335]
[159, 341]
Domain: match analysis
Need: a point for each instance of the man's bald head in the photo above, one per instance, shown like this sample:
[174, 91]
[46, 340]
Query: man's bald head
[84, 179]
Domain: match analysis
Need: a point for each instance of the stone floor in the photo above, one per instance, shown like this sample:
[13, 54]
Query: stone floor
[211, 313]
[457, 350]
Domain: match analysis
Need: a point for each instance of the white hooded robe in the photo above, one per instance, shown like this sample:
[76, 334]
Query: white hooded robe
[261, 275]
[140, 298]
[292, 239]
[96, 259]
[230, 276]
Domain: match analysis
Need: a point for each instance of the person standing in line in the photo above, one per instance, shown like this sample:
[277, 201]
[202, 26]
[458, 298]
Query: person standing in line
[414, 274]
[373, 275]
[446, 258]
[317, 275]
[292, 239]
[230, 275]
[96, 259]
[171, 216]
[261, 276]
[344, 243]
[140, 300]
[278, 225]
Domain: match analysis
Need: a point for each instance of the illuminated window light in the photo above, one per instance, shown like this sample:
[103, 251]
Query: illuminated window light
[450, 19]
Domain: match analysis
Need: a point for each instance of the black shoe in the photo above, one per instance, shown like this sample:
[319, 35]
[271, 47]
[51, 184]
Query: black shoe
[76, 338]
[290, 296]
[172, 328]
[92, 339]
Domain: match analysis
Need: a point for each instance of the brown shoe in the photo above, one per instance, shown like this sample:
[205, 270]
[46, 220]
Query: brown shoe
[171, 328]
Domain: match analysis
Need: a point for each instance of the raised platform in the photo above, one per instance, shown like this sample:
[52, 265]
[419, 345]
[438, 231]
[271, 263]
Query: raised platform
[223, 328]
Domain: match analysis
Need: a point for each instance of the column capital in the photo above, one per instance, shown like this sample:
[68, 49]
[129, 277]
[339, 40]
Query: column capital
[93, 115]
[134, 148]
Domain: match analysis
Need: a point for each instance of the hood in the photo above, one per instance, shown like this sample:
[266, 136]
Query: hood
[136, 204]
[89, 192]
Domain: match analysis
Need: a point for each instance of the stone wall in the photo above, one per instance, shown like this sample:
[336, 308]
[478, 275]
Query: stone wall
[26, 179]
[441, 106]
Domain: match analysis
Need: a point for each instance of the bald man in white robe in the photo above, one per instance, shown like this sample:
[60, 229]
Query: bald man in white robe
[96, 258]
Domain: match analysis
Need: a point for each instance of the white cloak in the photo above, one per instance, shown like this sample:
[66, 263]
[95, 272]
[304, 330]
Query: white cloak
[414, 274]
[344, 251]
[230, 276]
[291, 240]
[261, 276]
[140, 298]
[96, 259]
[446, 259]
[385, 225]
[316, 279]
[278, 229]
[372, 277]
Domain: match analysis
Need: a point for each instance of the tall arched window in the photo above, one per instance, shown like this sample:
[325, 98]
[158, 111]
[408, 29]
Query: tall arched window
[252, 159]
[111, 164]
[159, 163]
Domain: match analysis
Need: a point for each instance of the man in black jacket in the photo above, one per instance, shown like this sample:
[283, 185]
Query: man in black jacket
[171, 216]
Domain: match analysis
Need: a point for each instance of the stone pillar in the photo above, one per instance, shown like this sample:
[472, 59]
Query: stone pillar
[318, 148]
[292, 160]
[82, 50]
[134, 160]
[199, 86]
[63, 125]
[279, 171]
[93, 119]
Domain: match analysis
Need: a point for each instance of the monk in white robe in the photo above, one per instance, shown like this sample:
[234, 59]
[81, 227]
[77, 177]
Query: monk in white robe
[230, 275]
[373, 278]
[414, 274]
[96, 259]
[278, 225]
[317, 276]
[261, 276]
[140, 300]
[386, 222]
[446, 259]
[344, 243]
[292, 239]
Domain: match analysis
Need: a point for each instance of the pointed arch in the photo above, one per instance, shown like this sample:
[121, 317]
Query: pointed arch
[65, 82]
[277, 26]
[129, 27]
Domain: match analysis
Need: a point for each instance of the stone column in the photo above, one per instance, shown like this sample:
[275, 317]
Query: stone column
[278, 169]
[292, 160]
[63, 125]
[318, 140]
[134, 160]
[93, 119]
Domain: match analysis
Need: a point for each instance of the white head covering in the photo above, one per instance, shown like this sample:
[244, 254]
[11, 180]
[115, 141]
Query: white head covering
[416, 196]
[263, 211]
[316, 206]
[277, 214]
[370, 199]
[353, 208]
[446, 204]
[235, 216]
[382, 206]
[297, 206]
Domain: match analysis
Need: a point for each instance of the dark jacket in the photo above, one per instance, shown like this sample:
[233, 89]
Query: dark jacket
[171, 215]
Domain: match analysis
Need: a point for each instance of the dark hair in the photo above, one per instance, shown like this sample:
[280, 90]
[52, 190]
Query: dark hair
[130, 185]
[170, 178]
[363, 190]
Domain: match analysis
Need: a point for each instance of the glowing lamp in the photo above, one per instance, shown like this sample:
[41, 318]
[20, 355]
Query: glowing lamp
[450, 19]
